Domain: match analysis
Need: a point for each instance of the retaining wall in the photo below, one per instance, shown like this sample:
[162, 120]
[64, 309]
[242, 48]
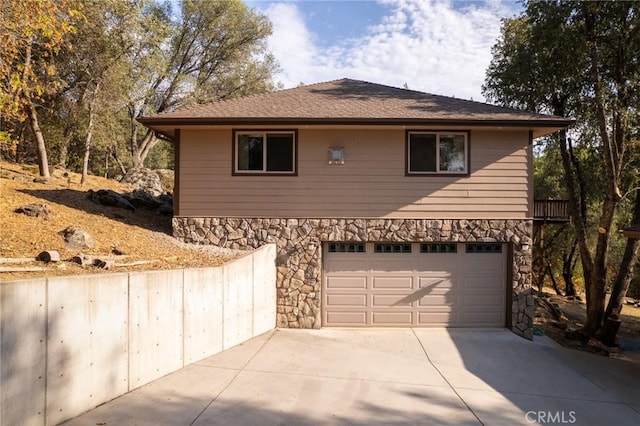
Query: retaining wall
[68, 344]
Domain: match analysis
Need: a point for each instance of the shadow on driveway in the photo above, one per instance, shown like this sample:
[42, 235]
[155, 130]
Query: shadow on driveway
[386, 376]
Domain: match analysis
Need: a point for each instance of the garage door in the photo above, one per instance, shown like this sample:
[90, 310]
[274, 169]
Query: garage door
[414, 284]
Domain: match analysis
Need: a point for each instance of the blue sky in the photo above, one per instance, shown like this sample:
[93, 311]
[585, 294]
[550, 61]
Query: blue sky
[437, 46]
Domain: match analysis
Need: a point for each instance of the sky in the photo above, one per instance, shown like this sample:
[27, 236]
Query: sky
[435, 46]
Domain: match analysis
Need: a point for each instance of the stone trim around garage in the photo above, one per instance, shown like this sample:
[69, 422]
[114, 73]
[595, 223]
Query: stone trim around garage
[299, 253]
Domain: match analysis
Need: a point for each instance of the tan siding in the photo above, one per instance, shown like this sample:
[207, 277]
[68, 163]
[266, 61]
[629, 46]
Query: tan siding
[371, 183]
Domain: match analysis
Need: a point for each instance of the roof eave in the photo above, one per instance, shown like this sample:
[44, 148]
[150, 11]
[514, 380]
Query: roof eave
[152, 122]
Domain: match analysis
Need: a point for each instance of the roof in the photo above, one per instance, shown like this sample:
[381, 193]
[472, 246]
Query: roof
[354, 102]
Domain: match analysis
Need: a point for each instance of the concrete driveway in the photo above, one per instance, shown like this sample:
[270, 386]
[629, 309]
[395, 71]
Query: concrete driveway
[386, 376]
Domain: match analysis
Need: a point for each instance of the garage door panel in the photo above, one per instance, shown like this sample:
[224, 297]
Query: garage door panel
[437, 264]
[392, 265]
[483, 319]
[347, 318]
[342, 282]
[350, 262]
[443, 299]
[392, 318]
[483, 263]
[483, 300]
[435, 282]
[390, 300]
[346, 300]
[474, 283]
[381, 282]
[436, 318]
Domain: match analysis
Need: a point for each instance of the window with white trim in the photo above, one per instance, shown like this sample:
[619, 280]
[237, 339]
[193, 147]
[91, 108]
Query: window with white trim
[437, 152]
[268, 152]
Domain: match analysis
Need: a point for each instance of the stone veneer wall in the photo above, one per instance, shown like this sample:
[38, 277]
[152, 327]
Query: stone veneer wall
[299, 253]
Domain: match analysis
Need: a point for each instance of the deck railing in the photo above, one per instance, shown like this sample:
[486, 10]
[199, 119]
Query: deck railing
[551, 210]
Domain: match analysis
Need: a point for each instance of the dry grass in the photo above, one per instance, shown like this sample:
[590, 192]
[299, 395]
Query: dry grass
[142, 235]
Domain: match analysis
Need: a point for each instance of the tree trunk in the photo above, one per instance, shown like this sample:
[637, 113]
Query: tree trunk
[64, 154]
[613, 152]
[140, 150]
[553, 280]
[622, 280]
[106, 165]
[579, 221]
[114, 153]
[87, 141]
[43, 159]
[568, 265]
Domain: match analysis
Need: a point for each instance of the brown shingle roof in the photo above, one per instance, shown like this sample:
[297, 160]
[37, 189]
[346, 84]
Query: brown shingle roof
[350, 102]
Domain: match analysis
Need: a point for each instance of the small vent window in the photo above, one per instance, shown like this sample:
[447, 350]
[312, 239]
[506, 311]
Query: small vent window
[438, 248]
[392, 248]
[346, 248]
[484, 248]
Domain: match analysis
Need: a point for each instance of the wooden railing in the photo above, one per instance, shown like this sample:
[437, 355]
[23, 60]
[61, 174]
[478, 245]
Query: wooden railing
[551, 210]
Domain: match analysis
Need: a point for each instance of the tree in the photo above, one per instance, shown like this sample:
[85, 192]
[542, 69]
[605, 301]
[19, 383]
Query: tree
[215, 51]
[580, 59]
[31, 34]
[91, 62]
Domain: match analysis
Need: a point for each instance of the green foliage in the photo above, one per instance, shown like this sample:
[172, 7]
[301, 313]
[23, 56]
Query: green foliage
[580, 59]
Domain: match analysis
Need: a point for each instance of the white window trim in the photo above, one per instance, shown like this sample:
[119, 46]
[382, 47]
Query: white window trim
[438, 134]
[264, 134]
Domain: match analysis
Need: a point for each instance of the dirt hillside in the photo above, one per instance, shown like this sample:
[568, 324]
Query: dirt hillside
[141, 235]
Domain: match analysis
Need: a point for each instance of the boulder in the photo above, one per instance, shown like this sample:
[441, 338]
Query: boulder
[143, 199]
[35, 210]
[76, 238]
[108, 197]
[167, 177]
[146, 180]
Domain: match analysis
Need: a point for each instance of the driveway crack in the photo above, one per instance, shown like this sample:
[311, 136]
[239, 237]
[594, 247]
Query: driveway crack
[444, 378]
[240, 370]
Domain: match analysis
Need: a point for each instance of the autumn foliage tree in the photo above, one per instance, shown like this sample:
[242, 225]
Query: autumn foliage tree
[79, 73]
[31, 34]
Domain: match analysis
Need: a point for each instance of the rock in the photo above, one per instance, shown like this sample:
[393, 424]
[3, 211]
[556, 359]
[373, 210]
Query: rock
[146, 180]
[35, 210]
[116, 251]
[167, 177]
[166, 209]
[107, 197]
[76, 238]
[142, 199]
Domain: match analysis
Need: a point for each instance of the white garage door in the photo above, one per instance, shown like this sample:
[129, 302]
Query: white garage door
[414, 284]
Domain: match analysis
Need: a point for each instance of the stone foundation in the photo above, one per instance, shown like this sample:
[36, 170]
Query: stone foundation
[299, 257]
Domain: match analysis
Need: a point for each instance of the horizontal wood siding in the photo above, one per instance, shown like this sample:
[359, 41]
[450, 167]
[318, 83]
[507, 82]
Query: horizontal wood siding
[371, 183]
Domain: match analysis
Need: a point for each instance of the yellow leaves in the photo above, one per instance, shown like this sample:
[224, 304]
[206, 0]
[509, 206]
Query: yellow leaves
[23, 25]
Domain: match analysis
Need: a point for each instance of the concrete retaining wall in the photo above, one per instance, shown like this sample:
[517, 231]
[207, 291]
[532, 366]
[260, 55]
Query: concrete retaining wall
[68, 344]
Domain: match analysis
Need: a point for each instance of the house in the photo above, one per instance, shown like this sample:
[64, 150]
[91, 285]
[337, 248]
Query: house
[389, 207]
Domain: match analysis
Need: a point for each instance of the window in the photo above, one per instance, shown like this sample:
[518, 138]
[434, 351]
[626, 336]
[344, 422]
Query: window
[437, 152]
[484, 248]
[438, 248]
[258, 152]
[346, 248]
[391, 248]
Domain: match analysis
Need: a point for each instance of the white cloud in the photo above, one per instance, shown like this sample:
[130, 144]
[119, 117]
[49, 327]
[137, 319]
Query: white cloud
[430, 45]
